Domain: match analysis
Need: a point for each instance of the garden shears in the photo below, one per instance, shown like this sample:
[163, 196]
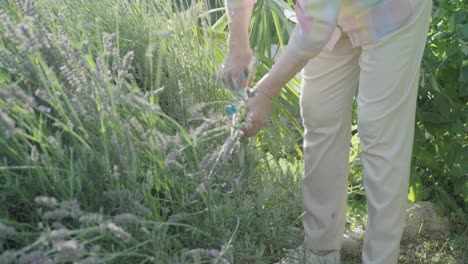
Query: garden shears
[237, 110]
[240, 86]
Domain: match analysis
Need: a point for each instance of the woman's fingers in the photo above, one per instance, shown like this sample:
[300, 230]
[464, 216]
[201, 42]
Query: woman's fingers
[257, 116]
[251, 131]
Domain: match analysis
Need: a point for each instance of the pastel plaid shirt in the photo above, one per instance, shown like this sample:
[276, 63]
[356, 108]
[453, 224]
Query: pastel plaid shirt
[321, 21]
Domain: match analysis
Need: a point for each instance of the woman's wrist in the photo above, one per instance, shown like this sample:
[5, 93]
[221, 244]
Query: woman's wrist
[280, 74]
[265, 94]
[240, 49]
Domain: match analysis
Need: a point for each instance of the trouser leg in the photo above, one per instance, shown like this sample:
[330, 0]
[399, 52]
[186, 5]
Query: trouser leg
[388, 86]
[328, 86]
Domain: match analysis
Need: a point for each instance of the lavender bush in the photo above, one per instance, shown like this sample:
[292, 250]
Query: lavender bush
[114, 147]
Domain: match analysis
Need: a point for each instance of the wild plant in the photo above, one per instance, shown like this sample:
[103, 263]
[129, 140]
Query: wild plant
[94, 166]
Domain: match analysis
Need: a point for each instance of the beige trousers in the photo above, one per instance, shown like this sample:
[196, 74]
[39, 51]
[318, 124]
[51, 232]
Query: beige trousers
[387, 72]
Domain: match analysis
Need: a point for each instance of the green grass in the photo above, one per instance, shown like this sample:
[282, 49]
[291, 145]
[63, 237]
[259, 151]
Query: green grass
[112, 109]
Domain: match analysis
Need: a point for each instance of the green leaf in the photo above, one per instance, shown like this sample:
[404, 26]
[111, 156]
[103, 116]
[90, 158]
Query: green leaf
[450, 151]
[451, 24]
[465, 31]
[453, 49]
[464, 47]
[279, 31]
[447, 199]
[462, 190]
[412, 194]
[458, 170]
[419, 137]
[427, 159]
[415, 188]
[458, 130]
[432, 117]
[434, 84]
[463, 90]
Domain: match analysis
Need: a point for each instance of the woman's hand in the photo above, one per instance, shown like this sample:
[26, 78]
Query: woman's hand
[237, 62]
[258, 110]
[269, 87]
[239, 53]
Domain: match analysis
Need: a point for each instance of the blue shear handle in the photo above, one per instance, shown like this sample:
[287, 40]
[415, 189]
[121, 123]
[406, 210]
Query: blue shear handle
[231, 110]
[245, 75]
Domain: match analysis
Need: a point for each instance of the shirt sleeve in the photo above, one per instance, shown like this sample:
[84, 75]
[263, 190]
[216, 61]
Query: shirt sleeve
[316, 22]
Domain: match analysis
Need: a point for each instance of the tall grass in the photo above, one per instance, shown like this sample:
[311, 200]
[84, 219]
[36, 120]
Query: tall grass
[114, 147]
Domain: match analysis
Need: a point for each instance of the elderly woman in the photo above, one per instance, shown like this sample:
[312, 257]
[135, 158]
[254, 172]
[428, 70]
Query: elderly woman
[374, 46]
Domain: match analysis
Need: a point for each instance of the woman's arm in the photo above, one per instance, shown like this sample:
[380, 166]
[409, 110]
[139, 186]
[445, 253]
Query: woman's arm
[317, 20]
[239, 52]
[239, 14]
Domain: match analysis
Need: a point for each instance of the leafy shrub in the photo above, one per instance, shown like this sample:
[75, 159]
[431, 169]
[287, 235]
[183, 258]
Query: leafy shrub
[440, 151]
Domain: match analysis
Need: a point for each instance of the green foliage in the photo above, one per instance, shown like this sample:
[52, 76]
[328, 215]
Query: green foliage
[270, 26]
[440, 150]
